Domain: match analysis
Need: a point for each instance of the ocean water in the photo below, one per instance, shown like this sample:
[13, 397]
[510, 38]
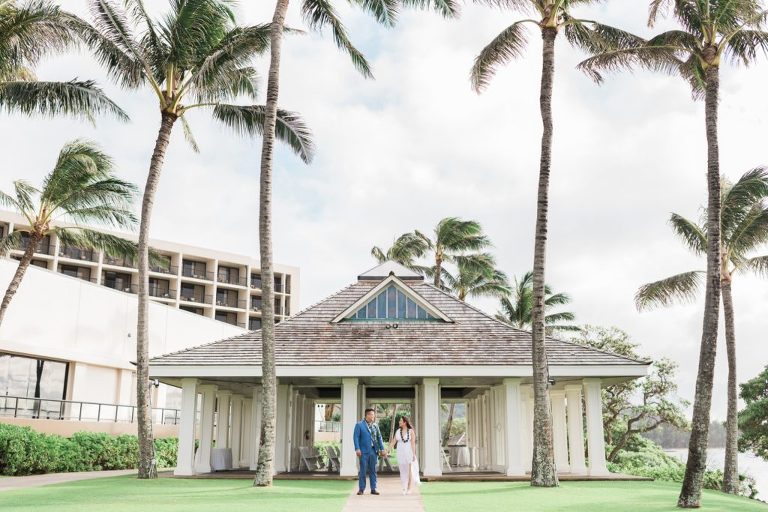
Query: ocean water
[749, 464]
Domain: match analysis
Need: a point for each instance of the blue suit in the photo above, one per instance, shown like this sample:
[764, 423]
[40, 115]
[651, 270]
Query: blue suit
[369, 452]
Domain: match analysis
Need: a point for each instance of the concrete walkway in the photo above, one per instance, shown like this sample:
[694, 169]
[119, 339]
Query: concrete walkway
[24, 482]
[390, 499]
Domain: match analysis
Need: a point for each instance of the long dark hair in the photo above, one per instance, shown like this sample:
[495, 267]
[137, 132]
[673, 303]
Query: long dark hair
[407, 421]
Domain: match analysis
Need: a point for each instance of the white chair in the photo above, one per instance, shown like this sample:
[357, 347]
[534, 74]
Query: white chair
[334, 464]
[309, 458]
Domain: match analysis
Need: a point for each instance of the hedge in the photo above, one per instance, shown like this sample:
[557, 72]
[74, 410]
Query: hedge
[24, 451]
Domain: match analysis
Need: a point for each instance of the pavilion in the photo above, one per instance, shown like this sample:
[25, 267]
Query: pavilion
[392, 337]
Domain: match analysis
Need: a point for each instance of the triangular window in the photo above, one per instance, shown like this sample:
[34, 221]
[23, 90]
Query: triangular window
[392, 304]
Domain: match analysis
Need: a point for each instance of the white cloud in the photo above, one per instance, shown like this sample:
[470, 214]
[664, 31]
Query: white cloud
[417, 144]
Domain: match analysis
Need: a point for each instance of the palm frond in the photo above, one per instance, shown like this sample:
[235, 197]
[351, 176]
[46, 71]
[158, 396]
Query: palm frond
[379, 254]
[74, 98]
[751, 233]
[290, 128]
[653, 58]
[556, 299]
[188, 136]
[111, 245]
[24, 196]
[758, 265]
[743, 46]
[319, 13]
[29, 31]
[10, 242]
[508, 45]
[446, 8]
[690, 233]
[681, 287]
[384, 11]
[739, 198]
[594, 37]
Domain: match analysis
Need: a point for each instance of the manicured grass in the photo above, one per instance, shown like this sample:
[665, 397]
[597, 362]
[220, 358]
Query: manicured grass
[572, 497]
[123, 494]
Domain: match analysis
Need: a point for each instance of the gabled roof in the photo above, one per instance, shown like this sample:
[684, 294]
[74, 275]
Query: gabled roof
[311, 338]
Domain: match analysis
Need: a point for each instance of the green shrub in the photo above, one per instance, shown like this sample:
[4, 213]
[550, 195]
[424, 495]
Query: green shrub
[320, 449]
[24, 451]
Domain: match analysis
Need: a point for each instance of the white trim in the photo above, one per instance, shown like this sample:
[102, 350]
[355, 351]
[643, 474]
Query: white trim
[410, 293]
[632, 371]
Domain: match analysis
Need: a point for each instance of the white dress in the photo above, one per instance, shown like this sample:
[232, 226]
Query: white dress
[404, 455]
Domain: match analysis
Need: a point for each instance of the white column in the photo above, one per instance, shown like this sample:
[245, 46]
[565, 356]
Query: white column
[254, 420]
[203, 464]
[237, 432]
[247, 439]
[512, 420]
[348, 420]
[222, 424]
[559, 433]
[527, 430]
[431, 438]
[575, 429]
[185, 459]
[595, 440]
[283, 428]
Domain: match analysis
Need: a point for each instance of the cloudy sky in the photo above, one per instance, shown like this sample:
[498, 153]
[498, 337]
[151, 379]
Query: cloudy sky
[416, 145]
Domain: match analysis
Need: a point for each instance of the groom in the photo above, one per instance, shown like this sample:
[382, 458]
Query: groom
[368, 443]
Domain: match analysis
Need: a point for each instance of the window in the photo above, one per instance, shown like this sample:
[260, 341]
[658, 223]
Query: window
[78, 272]
[39, 263]
[197, 311]
[254, 324]
[230, 318]
[392, 304]
[160, 288]
[35, 378]
[192, 292]
[194, 269]
[256, 281]
[117, 280]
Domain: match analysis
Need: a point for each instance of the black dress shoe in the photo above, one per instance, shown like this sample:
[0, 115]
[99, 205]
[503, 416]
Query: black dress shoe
[359, 493]
[375, 492]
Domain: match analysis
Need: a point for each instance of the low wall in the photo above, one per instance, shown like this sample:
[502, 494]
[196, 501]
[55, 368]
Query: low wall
[67, 428]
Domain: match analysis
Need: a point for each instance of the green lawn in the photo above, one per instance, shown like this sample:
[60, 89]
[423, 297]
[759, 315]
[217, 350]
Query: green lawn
[123, 494]
[571, 497]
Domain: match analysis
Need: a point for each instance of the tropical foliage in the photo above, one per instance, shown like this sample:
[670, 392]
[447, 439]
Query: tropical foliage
[753, 419]
[744, 228]
[29, 31]
[82, 190]
[517, 307]
[196, 57]
[709, 30]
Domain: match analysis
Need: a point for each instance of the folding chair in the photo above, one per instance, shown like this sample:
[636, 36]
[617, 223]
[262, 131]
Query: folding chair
[309, 459]
[334, 464]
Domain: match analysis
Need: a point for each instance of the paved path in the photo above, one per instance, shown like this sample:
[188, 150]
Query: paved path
[391, 498]
[24, 482]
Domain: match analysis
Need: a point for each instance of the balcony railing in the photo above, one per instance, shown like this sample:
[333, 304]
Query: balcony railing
[195, 297]
[195, 274]
[327, 426]
[170, 269]
[119, 262]
[84, 278]
[42, 247]
[237, 281]
[52, 409]
[76, 253]
[230, 303]
[255, 283]
[162, 294]
[256, 306]
[127, 288]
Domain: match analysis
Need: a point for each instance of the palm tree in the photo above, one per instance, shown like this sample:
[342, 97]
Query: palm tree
[317, 14]
[195, 57]
[553, 16]
[710, 30]
[744, 227]
[82, 190]
[477, 276]
[30, 30]
[516, 310]
[405, 250]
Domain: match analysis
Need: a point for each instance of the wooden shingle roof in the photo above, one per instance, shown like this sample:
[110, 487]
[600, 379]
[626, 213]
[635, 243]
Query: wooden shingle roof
[310, 338]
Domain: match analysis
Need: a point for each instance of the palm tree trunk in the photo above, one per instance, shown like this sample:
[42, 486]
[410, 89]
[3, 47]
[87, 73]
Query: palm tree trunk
[147, 462]
[393, 426]
[13, 286]
[543, 472]
[731, 469]
[438, 270]
[448, 424]
[269, 380]
[690, 494]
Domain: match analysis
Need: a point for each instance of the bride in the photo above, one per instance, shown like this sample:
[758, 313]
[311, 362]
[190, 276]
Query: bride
[405, 440]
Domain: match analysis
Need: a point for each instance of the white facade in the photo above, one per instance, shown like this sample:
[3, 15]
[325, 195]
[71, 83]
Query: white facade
[214, 284]
[90, 330]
